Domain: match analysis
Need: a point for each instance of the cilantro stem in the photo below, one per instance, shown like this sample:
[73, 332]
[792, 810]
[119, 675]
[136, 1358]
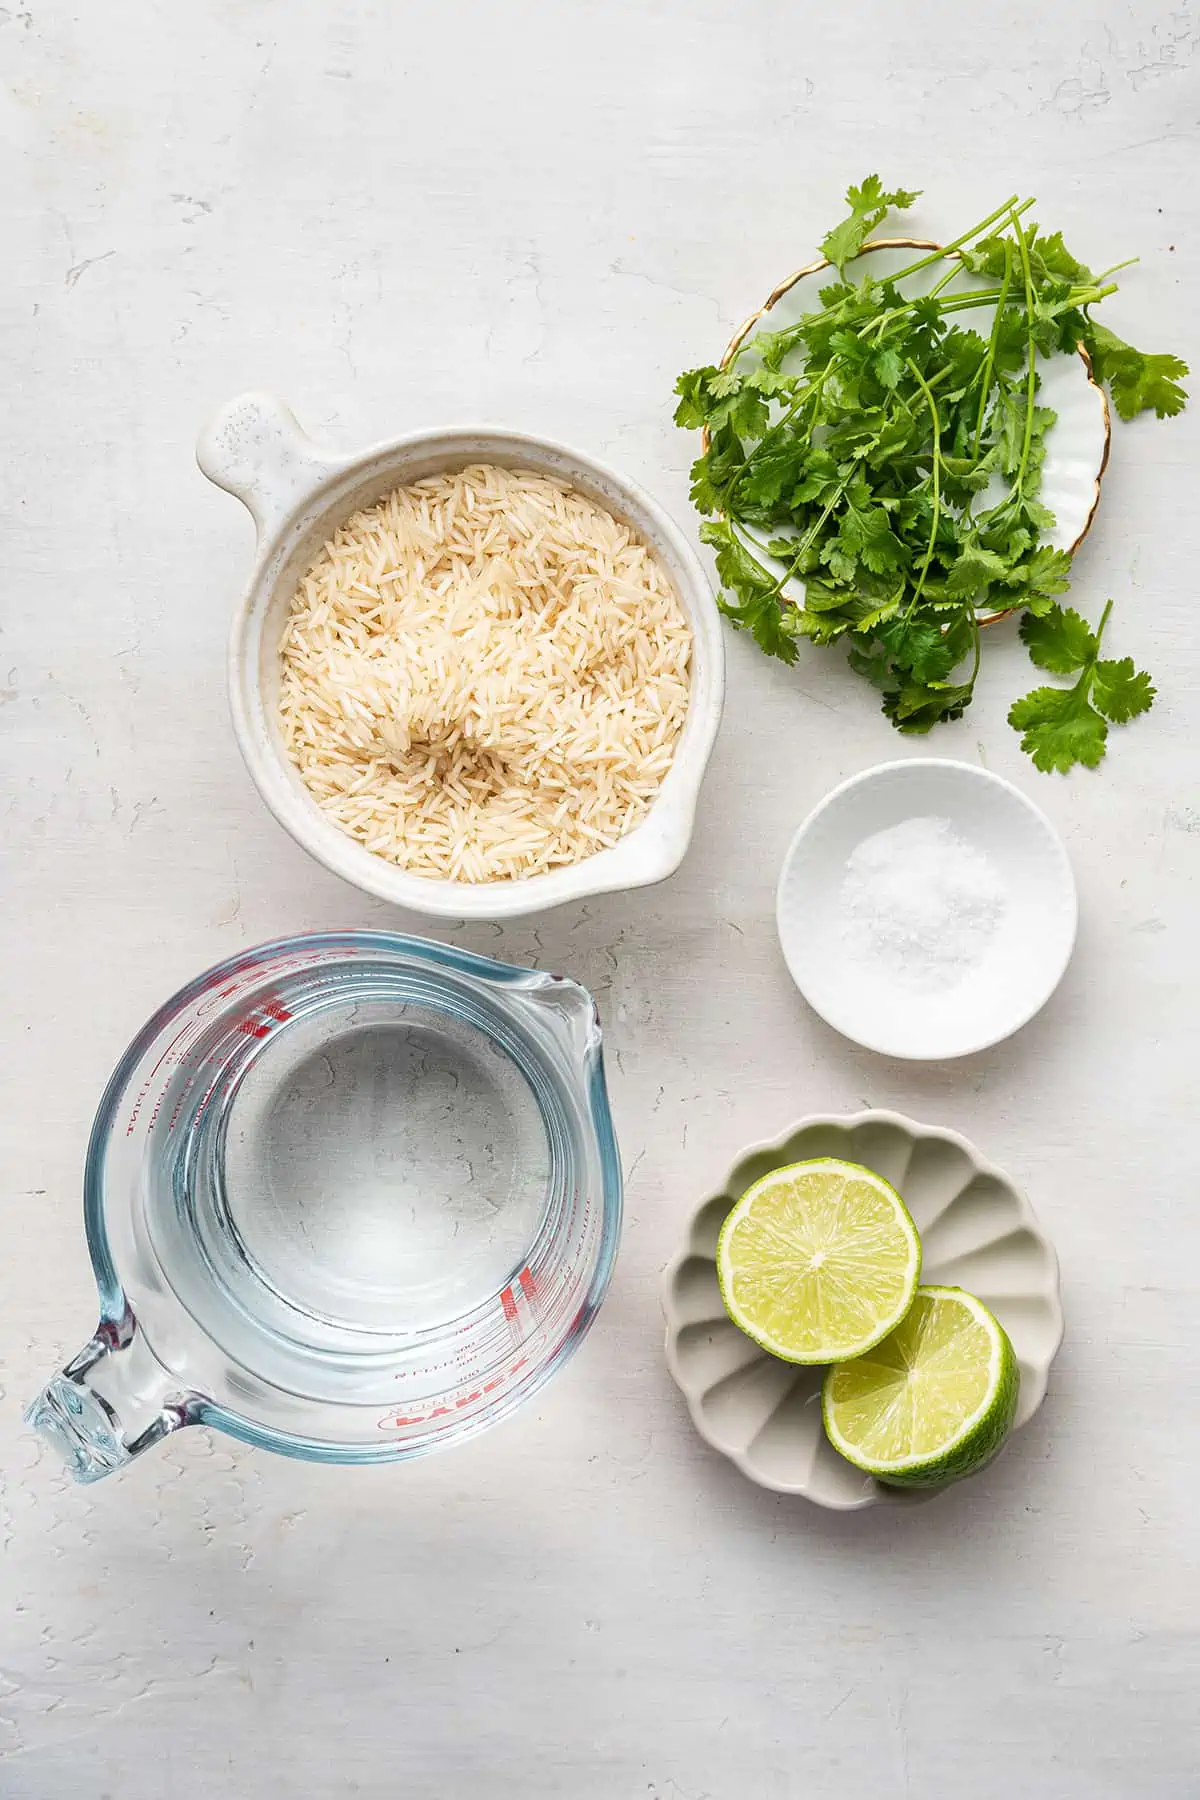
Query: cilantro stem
[1079, 296]
[1014, 205]
[976, 297]
[803, 399]
[936, 478]
[776, 587]
[810, 535]
[1117, 267]
[1031, 380]
[947, 278]
[1087, 672]
[990, 363]
[793, 332]
[878, 326]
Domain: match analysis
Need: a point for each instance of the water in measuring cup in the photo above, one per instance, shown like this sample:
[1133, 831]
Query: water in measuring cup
[380, 1169]
[384, 1172]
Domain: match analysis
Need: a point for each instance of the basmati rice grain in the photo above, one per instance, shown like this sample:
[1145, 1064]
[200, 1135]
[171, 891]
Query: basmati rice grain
[511, 703]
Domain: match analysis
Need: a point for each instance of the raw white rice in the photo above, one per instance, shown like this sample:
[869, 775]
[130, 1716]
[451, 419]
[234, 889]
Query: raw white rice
[484, 676]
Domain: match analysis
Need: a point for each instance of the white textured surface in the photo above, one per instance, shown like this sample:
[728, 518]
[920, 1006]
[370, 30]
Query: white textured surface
[588, 1603]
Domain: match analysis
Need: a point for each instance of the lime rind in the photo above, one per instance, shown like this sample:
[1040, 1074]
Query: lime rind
[830, 1349]
[974, 1441]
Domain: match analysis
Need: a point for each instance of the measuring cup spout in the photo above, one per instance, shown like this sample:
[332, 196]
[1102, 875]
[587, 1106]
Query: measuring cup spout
[110, 1403]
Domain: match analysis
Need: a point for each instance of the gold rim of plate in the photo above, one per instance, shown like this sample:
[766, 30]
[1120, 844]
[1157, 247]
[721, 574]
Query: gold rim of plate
[900, 243]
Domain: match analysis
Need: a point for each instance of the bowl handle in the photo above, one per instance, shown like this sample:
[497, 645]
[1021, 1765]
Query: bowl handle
[255, 447]
[110, 1403]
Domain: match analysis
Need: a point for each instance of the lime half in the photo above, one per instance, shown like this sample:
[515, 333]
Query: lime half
[932, 1402]
[818, 1261]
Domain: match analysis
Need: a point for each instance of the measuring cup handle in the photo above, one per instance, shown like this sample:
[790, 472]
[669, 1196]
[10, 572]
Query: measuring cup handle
[110, 1403]
[255, 447]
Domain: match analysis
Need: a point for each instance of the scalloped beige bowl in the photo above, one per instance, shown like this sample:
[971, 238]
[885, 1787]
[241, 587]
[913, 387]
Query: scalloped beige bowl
[977, 1232]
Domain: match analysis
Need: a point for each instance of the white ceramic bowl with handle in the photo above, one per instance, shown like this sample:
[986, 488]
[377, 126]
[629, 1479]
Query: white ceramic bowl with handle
[298, 492]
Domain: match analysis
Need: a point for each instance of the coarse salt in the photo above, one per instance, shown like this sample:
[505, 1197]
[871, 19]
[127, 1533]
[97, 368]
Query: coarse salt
[920, 903]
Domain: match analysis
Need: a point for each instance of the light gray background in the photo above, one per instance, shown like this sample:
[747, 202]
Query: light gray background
[409, 213]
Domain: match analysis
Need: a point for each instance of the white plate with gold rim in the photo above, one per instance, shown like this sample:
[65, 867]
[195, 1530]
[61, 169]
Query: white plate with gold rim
[977, 1232]
[1077, 444]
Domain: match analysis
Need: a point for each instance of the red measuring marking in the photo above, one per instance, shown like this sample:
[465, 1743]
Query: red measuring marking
[399, 1421]
[149, 1081]
[259, 1025]
[204, 1004]
[509, 1303]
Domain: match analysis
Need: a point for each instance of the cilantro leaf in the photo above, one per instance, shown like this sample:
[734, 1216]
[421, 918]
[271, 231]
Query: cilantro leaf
[888, 366]
[1136, 382]
[1035, 581]
[770, 471]
[921, 649]
[872, 664]
[725, 397]
[987, 257]
[736, 404]
[966, 473]
[694, 402]
[820, 479]
[1060, 641]
[869, 204]
[1049, 255]
[1120, 691]
[841, 563]
[975, 570]
[1039, 516]
[704, 492]
[770, 382]
[915, 709]
[1048, 571]
[879, 615]
[1059, 729]
[715, 471]
[821, 628]
[773, 346]
[1057, 322]
[869, 535]
[756, 606]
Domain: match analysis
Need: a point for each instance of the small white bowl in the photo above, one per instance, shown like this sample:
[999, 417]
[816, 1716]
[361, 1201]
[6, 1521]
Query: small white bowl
[977, 1232]
[1023, 962]
[299, 492]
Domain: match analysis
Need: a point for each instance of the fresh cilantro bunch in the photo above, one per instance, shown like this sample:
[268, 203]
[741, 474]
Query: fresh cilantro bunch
[891, 457]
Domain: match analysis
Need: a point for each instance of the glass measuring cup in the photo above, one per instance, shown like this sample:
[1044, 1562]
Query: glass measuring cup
[348, 1196]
